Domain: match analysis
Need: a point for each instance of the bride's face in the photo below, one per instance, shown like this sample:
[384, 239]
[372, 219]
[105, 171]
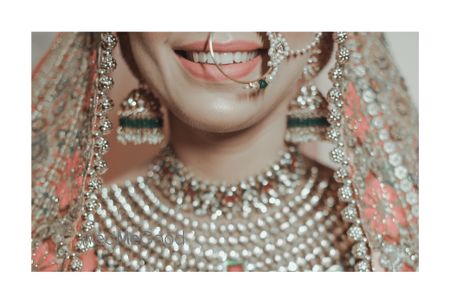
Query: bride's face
[173, 65]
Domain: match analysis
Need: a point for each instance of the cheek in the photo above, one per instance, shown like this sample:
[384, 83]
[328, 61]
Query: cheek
[299, 40]
[146, 50]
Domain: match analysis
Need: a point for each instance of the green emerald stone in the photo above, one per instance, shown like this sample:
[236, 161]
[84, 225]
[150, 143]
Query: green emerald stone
[141, 123]
[307, 122]
[262, 83]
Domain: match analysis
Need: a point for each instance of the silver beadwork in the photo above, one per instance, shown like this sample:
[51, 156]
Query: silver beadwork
[101, 104]
[218, 199]
[337, 155]
[264, 242]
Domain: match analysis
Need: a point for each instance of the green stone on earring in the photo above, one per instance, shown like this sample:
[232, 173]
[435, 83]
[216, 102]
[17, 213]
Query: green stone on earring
[141, 123]
[262, 83]
[294, 122]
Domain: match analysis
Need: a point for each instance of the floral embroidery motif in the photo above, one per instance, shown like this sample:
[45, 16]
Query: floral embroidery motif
[68, 188]
[381, 209]
[357, 122]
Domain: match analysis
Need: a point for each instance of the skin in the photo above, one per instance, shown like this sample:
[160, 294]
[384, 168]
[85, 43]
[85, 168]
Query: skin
[215, 127]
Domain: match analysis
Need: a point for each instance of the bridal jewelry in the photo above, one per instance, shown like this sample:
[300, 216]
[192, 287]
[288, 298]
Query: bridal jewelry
[248, 240]
[256, 193]
[377, 167]
[279, 50]
[140, 119]
[307, 114]
[141, 229]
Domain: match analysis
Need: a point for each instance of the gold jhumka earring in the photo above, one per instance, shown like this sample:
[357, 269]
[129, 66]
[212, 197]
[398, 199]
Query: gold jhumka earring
[307, 114]
[140, 118]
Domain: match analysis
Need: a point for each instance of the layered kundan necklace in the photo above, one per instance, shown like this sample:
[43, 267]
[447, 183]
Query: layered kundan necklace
[283, 219]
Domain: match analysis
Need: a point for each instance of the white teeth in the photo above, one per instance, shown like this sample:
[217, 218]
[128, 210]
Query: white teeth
[202, 57]
[237, 57]
[221, 58]
[195, 57]
[227, 57]
[210, 59]
[244, 57]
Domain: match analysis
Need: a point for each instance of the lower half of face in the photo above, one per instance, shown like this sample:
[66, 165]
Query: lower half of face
[181, 73]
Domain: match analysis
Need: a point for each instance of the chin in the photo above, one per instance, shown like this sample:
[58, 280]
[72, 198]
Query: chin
[218, 116]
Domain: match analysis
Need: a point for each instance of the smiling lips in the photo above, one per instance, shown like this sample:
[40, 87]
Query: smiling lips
[237, 59]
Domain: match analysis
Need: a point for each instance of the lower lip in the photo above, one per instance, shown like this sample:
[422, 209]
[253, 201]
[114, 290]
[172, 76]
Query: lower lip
[211, 73]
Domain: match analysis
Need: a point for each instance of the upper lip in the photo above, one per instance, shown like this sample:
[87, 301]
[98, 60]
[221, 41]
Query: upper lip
[231, 46]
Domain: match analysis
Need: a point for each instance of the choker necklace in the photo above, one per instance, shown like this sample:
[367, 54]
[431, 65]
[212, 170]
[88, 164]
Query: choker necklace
[257, 193]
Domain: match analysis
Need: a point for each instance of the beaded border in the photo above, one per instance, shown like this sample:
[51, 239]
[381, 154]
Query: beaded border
[346, 194]
[101, 104]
